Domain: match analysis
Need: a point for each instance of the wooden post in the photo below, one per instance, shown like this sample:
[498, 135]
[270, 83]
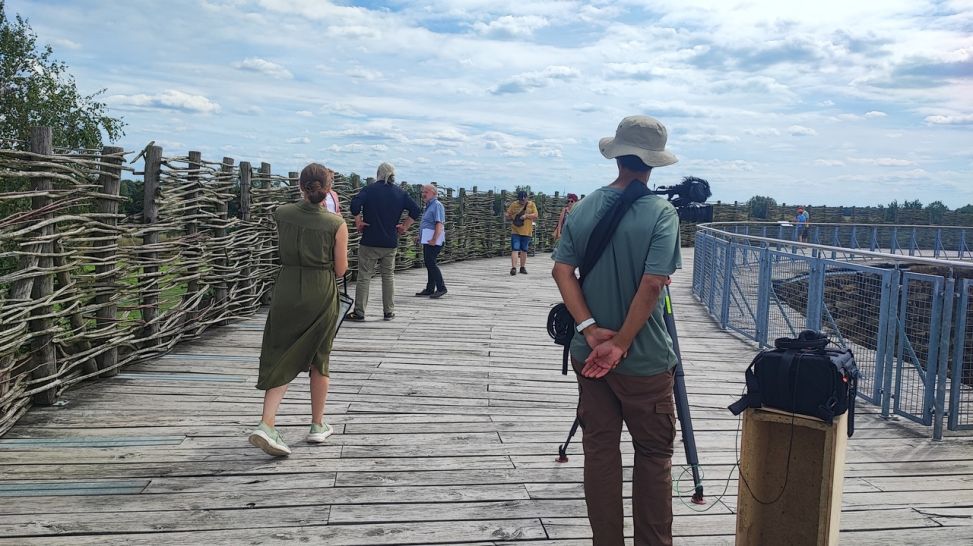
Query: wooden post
[222, 290]
[106, 286]
[149, 283]
[266, 260]
[194, 251]
[245, 175]
[43, 354]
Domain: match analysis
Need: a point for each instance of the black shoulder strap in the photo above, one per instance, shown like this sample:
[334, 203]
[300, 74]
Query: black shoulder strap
[607, 225]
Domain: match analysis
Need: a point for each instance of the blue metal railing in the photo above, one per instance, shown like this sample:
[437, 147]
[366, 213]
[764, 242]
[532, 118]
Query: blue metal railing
[904, 310]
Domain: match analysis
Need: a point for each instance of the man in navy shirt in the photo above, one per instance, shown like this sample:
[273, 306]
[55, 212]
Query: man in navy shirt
[378, 216]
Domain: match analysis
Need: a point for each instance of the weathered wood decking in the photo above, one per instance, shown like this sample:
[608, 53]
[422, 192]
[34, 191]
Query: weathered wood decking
[448, 420]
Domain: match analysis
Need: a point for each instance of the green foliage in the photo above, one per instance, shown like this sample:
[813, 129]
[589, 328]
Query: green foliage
[937, 210]
[892, 211]
[760, 205]
[37, 90]
[133, 190]
[912, 205]
[966, 209]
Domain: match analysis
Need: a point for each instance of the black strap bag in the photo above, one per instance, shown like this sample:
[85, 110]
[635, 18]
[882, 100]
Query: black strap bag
[802, 375]
[560, 323]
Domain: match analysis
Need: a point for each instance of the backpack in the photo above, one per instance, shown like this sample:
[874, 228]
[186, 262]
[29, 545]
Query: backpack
[801, 375]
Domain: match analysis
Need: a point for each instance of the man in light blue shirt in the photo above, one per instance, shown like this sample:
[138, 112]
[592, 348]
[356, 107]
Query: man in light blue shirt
[431, 235]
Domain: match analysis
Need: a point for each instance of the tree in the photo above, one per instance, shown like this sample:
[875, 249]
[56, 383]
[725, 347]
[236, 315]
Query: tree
[937, 210]
[892, 211]
[912, 205]
[965, 209]
[37, 90]
[760, 205]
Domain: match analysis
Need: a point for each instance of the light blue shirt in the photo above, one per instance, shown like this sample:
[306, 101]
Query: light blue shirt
[435, 213]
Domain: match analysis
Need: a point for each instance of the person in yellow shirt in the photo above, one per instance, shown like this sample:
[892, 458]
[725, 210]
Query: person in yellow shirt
[521, 214]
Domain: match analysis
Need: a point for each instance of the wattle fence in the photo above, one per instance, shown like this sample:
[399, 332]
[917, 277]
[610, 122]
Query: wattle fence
[85, 290]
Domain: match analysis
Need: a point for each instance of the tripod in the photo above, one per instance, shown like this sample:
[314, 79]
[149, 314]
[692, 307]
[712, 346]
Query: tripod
[682, 408]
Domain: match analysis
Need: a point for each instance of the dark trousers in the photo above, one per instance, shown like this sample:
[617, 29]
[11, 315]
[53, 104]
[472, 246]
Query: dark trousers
[646, 406]
[433, 275]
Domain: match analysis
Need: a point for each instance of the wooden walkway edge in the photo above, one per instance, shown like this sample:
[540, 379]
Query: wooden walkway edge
[447, 424]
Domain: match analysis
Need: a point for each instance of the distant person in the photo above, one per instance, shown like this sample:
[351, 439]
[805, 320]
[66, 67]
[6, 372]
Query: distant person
[521, 214]
[378, 216]
[300, 327]
[623, 356]
[802, 220]
[432, 237]
[572, 199]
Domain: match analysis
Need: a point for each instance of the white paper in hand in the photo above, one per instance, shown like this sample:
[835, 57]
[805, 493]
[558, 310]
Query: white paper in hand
[427, 234]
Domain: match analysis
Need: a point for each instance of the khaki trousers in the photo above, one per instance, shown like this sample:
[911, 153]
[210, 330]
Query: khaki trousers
[646, 406]
[368, 258]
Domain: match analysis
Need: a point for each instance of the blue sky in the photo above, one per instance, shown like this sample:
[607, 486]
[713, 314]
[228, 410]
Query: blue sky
[823, 102]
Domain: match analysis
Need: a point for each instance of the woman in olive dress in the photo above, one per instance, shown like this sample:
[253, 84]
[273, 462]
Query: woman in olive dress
[313, 248]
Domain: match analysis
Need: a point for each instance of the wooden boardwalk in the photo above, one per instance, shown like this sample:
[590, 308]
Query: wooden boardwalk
[448, 420]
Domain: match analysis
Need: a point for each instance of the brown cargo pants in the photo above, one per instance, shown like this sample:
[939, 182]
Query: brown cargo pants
[646, 406]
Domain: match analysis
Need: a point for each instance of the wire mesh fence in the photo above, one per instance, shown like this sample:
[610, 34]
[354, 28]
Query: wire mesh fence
[882, 291]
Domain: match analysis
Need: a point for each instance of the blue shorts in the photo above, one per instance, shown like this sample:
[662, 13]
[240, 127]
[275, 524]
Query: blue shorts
[519, 242]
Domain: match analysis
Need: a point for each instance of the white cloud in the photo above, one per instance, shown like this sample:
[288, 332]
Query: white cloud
[509, 26]
[65, 43]
[305, 113]
[762, 131]
[875, 114]
[958, 119]
[533, 80]
[829, 162]
[881, 161]
[801, 131]
[171, 99]
[364, 74]
[299, 140]
[263, 66]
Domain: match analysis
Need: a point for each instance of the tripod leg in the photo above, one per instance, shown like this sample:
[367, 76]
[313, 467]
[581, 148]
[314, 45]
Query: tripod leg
[562, 450]
[682, 404]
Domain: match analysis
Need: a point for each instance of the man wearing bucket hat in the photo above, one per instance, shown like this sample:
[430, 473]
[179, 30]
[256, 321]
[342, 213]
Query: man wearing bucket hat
[624, 357]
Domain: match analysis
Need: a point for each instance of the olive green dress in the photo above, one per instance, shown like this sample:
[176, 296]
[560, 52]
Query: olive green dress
[304, 310]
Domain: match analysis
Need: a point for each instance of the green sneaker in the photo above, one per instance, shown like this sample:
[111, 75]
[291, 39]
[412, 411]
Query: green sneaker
[319, 433]
[269, 440]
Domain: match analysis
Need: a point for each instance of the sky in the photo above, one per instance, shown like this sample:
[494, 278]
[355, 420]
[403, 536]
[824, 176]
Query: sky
[818, 102]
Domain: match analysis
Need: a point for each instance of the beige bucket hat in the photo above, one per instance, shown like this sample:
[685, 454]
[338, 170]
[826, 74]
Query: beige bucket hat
[641, 136]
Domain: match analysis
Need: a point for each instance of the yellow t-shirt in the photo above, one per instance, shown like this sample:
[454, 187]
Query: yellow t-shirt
[528, 227]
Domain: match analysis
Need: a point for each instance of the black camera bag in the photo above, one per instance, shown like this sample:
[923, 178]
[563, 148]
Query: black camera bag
[803, 376]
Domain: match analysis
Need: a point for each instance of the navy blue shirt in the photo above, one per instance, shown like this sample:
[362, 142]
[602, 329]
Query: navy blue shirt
[381, 206]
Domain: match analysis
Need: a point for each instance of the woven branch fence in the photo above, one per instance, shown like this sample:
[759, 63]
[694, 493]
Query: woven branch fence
[84, 290]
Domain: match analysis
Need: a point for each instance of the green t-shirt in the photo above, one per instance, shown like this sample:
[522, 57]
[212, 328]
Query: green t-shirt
[646, 242]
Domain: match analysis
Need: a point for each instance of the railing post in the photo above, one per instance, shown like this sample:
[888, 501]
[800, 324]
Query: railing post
[939, 409]
[149, 282]
[959, 354]
[913, 244]
[729, 262]
[43, 357]
[891, 337]
[938, 245]
[764, 288]
[107, 270]
[815, 294]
